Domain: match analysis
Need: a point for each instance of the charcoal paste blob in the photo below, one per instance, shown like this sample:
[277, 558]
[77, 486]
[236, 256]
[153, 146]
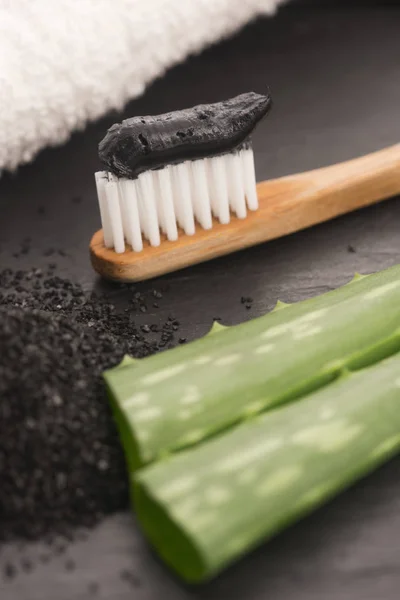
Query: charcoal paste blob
[142, 143]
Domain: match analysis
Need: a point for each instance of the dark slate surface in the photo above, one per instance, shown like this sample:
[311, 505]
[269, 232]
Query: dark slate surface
[335, 78]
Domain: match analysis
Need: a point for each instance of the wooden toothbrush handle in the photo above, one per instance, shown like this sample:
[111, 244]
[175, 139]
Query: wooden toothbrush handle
[299, 201]
[287, 204]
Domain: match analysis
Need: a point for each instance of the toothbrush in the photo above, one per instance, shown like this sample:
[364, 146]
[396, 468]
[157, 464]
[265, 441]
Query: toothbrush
[180, 189]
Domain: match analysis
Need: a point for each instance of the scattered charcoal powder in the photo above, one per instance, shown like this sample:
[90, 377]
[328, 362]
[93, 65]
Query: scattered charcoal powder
[130, 577]
[61, 463]
[56, 430]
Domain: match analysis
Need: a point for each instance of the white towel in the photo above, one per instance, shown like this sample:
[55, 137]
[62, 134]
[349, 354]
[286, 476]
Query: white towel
[64, 63]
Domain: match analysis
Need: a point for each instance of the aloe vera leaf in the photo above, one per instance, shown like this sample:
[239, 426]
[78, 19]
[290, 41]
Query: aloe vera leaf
[207, 506]
[177, 398]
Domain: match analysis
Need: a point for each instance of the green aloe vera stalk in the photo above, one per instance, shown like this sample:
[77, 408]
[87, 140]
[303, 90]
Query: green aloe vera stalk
[207, 506]
[180, 397]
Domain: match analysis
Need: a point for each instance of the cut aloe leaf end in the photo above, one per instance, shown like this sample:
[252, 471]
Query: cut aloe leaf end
[205, 507]
[180, 397]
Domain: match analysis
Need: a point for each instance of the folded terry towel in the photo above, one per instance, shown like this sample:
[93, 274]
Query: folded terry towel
[64, 63]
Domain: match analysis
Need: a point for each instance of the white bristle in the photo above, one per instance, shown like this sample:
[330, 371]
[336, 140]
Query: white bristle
[166, 202]
[219, 189]
[159, 203]
[249, 179]
[129, 198]
[200, 194]
[236, 193]
[114, 211]
[149, 206]
[143, 217]
[183, 197]
[124, 211]
[101, 179]
[176, 196]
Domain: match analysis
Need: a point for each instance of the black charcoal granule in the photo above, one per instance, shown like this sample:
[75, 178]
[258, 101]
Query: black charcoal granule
[61, 462]
[130, 577]
[9, 571]
[93, 588]
[26, 565]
